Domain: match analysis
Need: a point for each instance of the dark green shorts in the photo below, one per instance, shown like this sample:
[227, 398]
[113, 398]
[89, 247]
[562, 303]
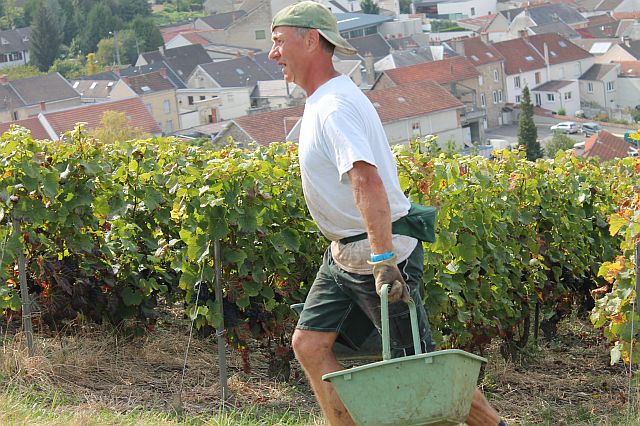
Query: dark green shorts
[347, 303]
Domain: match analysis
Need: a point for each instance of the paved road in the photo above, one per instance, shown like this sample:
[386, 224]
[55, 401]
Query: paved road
[510, 132]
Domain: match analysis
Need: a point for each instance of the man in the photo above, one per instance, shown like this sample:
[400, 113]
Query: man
[351, 188]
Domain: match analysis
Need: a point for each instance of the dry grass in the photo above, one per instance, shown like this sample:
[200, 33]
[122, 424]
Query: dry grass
[564, 382]
[95, 367]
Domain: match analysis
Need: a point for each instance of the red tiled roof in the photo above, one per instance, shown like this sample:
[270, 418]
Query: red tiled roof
[33, 124]
[564, 50]
[626, 15]
[515, 53]
[408, 100]
[65, 120]
[171, 31]
[605, 146]
[445, 71]
[269, 126]
[630, 68]
[153, 82]
[485, 53]
[196, 38]
[480, 22]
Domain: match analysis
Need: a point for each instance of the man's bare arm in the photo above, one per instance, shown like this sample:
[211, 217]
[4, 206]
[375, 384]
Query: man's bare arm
[371, 198]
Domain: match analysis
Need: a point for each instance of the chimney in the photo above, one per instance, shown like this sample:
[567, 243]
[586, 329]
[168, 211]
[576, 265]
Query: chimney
[369, 69]
[524, 34]
[626, 40]
[163, 72]
[484, 37]
[251, 54]
[546, 60]
[43, 107]
[458, 45]
[4, 79]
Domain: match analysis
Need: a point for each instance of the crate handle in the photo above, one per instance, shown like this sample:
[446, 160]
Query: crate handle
[384, 319]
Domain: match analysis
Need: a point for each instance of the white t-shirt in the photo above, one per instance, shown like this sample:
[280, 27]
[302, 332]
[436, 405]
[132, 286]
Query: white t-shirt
[339, 127]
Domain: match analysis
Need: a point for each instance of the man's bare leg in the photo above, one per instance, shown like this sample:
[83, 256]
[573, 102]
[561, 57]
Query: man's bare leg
[313, 350]
[482, 413]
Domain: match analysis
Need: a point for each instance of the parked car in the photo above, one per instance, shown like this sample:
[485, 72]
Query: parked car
[590, 128]
[565, 127]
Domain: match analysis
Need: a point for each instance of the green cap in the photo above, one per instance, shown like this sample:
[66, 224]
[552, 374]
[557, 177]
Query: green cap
[309, 14]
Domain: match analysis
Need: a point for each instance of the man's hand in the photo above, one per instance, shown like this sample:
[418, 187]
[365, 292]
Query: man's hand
[387, 272]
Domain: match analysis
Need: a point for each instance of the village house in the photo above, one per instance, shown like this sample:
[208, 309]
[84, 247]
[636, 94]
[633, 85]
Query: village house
[460, 78]
[27, 97]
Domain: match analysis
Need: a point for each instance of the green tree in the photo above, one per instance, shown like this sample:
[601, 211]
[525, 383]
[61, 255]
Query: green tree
[116, 127]
[100, 22]
[370, 7]
[559, 142]
[128, 10]
[22, 71]
[69, 68]
[46, 34]
[148, 35]
[527, 131]
[106, 53]
[405, 6]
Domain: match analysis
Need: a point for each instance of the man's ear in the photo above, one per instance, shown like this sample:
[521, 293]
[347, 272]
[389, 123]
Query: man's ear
[312, 39]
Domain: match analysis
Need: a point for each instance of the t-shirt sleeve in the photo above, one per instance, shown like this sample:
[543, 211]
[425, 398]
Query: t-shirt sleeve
[346, 141]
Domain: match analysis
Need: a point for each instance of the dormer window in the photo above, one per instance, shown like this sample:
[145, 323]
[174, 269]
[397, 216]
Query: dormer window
[528, 58]
[562, 43]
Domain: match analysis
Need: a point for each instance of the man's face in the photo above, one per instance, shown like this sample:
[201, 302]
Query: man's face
[288, 51]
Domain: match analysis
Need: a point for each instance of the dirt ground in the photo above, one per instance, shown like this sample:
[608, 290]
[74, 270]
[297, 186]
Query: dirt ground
[567, 381]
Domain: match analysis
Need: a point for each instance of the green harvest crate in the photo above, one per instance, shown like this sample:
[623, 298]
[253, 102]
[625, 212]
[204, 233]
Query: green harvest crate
[435, 388]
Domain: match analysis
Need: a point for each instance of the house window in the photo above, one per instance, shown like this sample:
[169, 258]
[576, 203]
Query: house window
[202, 98]
[169, 126]
[415, 128]
[483, 101]
[495, 97]
[15, 115]
[590, 87]
[3, 58]
[517, 99]
[551, 97]
[167, 106]
[480, 80]
[538, 77]
[15, 56]
[190, 100]
[567, 95]
[538, 99]
[499, 95]
[260, 35]
[149, 108]
[610, 87]
[496, 75]
[516, 81]
[473, 11]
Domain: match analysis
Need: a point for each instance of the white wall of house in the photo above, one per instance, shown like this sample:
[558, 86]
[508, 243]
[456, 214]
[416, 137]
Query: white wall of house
[14, 59]
[230, 102]
[469, 8]
[570, 70]
[628, 92]
[177, 41]
[201, 80]
[600, 92]
[445, 124]
[567, 98]
[401, 28]
[515, 83]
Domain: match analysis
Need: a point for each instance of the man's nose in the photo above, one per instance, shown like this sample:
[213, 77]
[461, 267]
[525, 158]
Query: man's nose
[273, 53]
